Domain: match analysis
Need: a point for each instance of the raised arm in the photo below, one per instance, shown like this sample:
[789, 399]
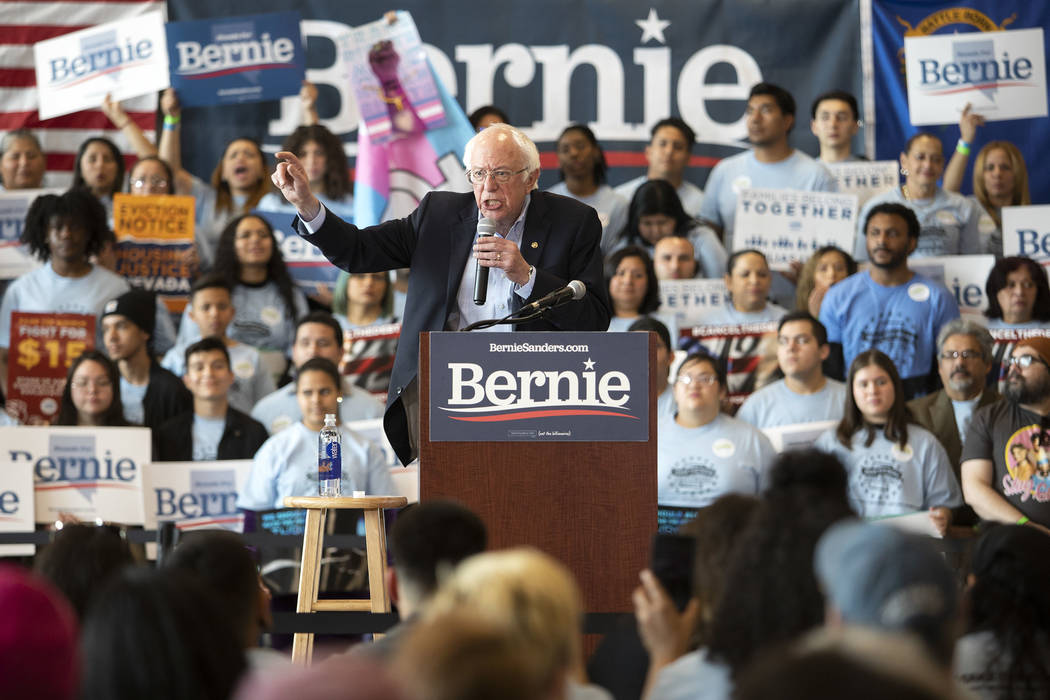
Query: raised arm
[114, 111]
[170, 142]
[290, 177]
[956, 170]
[308, 104]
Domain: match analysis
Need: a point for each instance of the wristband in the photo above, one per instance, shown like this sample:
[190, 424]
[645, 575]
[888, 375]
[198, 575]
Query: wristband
[1022, 520]
[170, 121]
[962, 147]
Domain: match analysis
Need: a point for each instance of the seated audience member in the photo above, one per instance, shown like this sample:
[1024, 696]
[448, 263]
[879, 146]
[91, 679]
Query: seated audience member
[22, 161]
[655, 213]
[1005, 458]
[427, 541]
[91, 396]
[1000, 178]
[894, 465]
[665, 407]
[702, 453]
[852, 662]
[878, 576]
[835, 121]
[39, 658]
[748, 280]
[823, 269]
[1005, 651]
[1018, 295]
[487, 116]
[769, 595]
[149, 393]
[964, 351]
[459, 657]
[889, 307]
[534, 598]
[674, 259]
[80, 559]
[633, 288]
[286, 464]
[668, 155]
[211, 309]
[212, 429]
[221, 562]
[804, 394]
[317, 334]
[583, 169]
[667, 632]
[948, 221]
[362, 299]
[159, 635]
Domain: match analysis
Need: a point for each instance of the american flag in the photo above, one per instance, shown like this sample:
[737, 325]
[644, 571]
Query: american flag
[25, 22]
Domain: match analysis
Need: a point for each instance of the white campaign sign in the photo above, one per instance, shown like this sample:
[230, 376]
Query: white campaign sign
[689, 300]
[963, 275]
[797, 436]
[123, 59]
[790, 225]
[194, 495]
[1026, 231]
[90, 473]
[1001, 74]
[16, 505]
[865, 178]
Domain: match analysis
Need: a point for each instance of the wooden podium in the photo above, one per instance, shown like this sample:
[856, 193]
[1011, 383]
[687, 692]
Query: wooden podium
[590, 504]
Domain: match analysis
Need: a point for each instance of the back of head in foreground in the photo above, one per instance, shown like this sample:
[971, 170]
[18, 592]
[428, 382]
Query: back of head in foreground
[770, 593]
[81, 559]
[159, 634]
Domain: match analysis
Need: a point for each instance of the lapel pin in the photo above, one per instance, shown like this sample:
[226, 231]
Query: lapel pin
[535, 244]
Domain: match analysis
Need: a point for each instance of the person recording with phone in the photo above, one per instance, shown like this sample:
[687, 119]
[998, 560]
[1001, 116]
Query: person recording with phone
[541, 242]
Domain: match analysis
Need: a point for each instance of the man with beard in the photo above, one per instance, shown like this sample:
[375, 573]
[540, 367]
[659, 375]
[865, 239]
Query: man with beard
[964, 357]
[994, 480]
[889, 307]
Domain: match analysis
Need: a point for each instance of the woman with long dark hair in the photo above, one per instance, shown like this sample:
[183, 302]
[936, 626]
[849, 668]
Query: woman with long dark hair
[322, 155]
[92, 393]
[633, 288]
[895, 466]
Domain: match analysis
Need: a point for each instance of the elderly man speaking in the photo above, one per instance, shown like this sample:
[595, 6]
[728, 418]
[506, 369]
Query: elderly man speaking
[543, 241]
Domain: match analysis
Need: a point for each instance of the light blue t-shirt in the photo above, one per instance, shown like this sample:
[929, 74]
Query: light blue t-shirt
[729, 316]
[1000, 324]
[286, 465]
[710, 254]
[948, 224]
[207, 433]
[963, 411]
[251, 380]
[775, 404]
[343, 208]
[743, 171]
[280, 409]
[691, 196]
[884, 479]
[693, 677]
[260, 318]
[695, 466]
[611, 208]
[131, 396]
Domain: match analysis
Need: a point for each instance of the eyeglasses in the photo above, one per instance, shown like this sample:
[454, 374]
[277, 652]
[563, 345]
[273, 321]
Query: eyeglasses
[1025, 361]
[155, 181]
[84, 383]
[478, 176]
[687, 379]
[964, 354]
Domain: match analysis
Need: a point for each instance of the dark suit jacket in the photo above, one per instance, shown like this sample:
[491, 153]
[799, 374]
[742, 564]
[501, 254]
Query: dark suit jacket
[934, 412]
[560, 239]
[241, 438]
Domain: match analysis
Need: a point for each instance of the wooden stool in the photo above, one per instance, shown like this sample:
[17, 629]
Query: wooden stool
[310, 572]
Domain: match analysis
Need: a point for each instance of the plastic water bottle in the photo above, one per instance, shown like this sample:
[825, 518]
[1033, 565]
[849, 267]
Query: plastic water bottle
[329, 458]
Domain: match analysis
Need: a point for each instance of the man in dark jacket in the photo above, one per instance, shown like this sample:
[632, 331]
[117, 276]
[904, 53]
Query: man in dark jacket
[212, 429]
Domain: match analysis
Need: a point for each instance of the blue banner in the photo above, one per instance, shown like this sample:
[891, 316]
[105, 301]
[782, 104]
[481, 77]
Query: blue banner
[892, 21]
[253, 58]
[525, 387]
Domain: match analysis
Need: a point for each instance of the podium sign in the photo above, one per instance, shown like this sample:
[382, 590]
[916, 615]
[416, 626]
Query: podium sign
[523, 387]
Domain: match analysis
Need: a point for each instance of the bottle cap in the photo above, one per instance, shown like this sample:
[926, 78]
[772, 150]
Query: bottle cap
[329, 420]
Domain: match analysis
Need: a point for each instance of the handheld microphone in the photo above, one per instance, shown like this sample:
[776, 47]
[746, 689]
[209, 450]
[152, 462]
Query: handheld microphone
[481, 273]
[572, 291]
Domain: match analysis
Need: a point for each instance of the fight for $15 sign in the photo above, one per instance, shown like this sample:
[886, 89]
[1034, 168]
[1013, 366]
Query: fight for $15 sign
[43, 346]
[1001, 74]
[790, 225]
[523, 387]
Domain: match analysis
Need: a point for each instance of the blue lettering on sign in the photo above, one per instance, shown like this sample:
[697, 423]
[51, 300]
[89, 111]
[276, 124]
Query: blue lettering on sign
[78, 469]
[8, 502]
[1031, 243]
[969, 295]
[194, 505]
[105, 58]
[985, 73]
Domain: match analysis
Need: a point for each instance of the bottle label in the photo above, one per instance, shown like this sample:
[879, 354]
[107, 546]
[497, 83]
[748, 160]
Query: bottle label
[330, 466]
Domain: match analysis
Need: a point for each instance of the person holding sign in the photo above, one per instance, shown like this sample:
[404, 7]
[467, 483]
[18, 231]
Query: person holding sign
[949, 221]
[582, 166]
[213, 429]
[702, 453]
[92, 393]
[888, 307]
[286, 464]
[894, 465]
[748, 281]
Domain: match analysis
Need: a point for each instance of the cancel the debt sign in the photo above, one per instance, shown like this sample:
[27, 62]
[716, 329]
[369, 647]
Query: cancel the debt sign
[520, 387]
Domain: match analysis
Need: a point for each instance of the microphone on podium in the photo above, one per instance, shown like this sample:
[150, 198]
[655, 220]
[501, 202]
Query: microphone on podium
[481, 273]
[572, 291]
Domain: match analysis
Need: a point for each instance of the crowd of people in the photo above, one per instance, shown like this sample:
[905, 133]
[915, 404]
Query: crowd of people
[921, 416]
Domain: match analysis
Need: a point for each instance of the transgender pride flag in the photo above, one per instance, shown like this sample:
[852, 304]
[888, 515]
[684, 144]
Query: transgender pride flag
[391, 179]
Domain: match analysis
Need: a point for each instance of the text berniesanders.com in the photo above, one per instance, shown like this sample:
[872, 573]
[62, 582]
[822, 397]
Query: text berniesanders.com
[532, 347]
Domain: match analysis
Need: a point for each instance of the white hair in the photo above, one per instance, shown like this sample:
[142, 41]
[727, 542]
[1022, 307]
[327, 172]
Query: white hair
[525, 145]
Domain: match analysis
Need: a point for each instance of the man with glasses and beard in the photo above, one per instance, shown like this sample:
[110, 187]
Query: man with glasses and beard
[1009, 436]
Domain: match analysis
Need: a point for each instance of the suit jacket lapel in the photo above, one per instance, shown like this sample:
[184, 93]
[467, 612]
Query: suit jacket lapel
[537, 229]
